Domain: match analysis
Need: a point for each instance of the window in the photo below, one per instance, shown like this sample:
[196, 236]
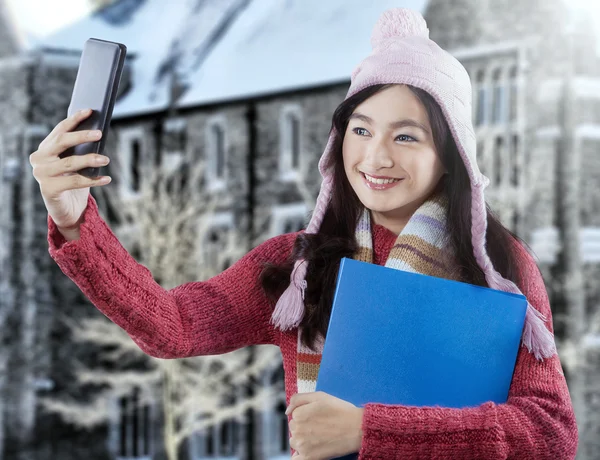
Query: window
[131, 151]
[175, 136]
[216, 243]
[136, 252]
[216, 147]
[202, 443]
[498, 161]
[219, 142]
[288, 218]
[282, 429]
[134, 426]
[228, 438]
[293, 224]
[516, 167]
[498, 103]
[135, 164]
[291, 142]
[481, 99]
[516, 221]
[226, 264]
[210, 441]
[216, 441]
[513, 93]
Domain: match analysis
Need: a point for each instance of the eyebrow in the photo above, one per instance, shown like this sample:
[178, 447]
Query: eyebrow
[393, 125]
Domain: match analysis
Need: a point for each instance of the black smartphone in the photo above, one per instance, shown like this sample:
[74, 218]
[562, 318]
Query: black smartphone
[96, 85]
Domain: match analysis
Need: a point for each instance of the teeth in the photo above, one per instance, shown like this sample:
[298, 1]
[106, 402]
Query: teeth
[380, 181]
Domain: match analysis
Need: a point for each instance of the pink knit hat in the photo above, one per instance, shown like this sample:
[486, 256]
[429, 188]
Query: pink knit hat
[403, 53]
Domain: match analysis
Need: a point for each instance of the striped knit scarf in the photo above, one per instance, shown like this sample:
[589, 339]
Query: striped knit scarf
[421, 247]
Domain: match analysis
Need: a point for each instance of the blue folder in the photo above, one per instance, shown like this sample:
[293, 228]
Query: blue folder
[396, 337]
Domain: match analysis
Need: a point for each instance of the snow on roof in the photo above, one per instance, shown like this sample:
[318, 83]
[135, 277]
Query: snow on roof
[279, 45]
[158, 34]
[229, 49]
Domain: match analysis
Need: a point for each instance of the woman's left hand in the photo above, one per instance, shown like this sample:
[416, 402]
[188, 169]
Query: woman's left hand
[323, 426]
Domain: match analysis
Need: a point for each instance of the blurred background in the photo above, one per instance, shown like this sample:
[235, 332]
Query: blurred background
[224, 109]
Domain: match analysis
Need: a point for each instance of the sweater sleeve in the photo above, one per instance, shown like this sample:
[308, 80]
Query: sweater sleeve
[537, 422]
[222, 314]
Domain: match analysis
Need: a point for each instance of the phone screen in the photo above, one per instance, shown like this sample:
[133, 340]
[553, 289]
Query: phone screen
[95, 77]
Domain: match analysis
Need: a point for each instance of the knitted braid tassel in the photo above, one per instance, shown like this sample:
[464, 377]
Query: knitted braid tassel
[289, 309]
[536, 336]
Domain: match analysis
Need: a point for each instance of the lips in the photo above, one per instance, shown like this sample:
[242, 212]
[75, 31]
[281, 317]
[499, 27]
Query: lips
[379, 177]
[374, 186]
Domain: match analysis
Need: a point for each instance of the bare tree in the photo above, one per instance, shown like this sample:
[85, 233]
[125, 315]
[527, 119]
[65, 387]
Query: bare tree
[196, 392]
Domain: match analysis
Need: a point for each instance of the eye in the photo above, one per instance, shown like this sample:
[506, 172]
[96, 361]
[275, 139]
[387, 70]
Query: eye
[405, 136]
[358, 131]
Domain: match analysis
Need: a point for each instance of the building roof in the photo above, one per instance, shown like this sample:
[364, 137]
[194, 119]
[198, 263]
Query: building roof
[225, 50]
[281, 45]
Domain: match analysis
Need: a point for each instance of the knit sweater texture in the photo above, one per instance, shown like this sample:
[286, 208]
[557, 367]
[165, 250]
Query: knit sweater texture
[231, 311]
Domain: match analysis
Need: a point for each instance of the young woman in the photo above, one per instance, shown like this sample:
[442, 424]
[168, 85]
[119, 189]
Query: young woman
[401, 188]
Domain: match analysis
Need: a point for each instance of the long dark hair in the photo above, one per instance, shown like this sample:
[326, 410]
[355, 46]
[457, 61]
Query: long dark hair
[335, 239]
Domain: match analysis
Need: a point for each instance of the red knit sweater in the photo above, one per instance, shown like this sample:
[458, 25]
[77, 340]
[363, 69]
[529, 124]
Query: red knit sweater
[231, 311]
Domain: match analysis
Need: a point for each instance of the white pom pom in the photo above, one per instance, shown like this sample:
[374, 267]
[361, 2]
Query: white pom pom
[399, 23]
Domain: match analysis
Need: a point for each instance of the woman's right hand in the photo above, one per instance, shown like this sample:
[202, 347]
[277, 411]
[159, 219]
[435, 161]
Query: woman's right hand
[65, 192]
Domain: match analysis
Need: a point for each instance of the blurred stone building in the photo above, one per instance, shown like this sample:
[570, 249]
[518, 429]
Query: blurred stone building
[249, 87]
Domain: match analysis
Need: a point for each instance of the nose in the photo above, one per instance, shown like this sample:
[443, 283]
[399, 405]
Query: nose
[379, 155]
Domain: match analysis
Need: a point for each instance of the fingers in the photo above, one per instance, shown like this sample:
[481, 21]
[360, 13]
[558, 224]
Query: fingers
[69, 123]
[61, 138]
[72, 164]
[63, 141]
[54, 186]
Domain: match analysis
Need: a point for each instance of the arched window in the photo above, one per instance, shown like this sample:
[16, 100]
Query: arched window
[218, 135]
[513, 93]
[498, 103]
[210, 441]
[131, 153]
[481, 98]
[293, 122]
[288, 218]
[516, 155]
[135, 165]
[175, 135]
[216, 148]
[291, 141]
[227, 441]
[216, 243]
[134, 429]
[293, 224]
[498, 161]
[516, 221]
[226, 264]
[283, 433]
[136, 253]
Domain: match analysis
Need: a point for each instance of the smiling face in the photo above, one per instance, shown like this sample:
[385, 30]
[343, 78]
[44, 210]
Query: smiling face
[389, 156]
